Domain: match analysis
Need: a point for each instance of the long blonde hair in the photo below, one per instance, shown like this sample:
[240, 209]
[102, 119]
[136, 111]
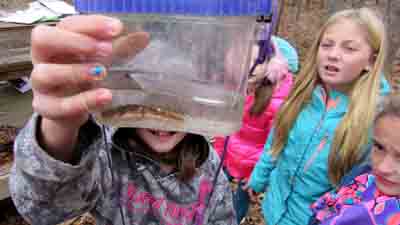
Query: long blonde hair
[351, 134]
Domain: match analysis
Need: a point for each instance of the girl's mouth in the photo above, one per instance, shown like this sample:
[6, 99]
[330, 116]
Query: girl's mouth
[161, 133]
[331, 68]
[385, 181]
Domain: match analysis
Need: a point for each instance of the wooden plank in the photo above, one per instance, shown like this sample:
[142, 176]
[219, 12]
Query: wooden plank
[17, 26]
[14, 26]
[15, 49]
[15, 107]
[11, 67]
[15, 74]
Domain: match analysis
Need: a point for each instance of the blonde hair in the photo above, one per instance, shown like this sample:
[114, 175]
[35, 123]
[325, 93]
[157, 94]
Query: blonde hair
[351, 135]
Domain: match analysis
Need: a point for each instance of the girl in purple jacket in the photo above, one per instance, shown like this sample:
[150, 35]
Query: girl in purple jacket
[372, 197]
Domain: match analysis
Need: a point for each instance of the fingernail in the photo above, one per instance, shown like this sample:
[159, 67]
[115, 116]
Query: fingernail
[104, 49]
[97, 71]
[113, 26]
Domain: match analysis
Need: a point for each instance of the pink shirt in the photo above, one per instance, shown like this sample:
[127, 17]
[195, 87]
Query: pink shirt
[246, 145]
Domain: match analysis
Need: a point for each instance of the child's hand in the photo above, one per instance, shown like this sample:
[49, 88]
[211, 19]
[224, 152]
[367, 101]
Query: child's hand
[277, 67]
[64, 71]
[68, 59]
[274, 70]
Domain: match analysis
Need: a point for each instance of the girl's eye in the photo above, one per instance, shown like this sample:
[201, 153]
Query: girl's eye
[351, 49]
[378, 146]
[325, 45]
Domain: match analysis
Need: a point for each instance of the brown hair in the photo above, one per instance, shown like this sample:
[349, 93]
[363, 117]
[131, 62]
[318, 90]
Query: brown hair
[187, 156]
[262, 97]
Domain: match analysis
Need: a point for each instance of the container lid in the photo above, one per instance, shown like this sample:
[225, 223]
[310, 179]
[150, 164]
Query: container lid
[177, 7]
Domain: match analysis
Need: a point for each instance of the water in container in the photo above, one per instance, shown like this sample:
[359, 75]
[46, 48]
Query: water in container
[178, 68]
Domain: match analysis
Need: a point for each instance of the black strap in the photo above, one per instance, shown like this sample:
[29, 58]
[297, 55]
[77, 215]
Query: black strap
[215, 180]
[110, 165]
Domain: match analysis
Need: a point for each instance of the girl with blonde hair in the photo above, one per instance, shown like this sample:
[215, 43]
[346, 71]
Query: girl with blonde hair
[321, 131]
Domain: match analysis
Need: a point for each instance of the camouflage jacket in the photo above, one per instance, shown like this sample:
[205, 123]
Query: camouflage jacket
[47, 191]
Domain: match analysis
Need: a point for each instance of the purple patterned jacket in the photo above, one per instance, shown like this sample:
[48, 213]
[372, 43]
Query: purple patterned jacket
[358, 203]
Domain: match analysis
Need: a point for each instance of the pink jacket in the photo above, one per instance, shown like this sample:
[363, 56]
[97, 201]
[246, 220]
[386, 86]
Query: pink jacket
[246, 145]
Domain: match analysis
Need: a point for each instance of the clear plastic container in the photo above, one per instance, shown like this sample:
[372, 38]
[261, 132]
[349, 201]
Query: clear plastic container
[191, 75]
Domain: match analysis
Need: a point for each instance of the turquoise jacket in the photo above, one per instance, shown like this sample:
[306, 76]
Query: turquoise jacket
[300, 175]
